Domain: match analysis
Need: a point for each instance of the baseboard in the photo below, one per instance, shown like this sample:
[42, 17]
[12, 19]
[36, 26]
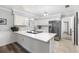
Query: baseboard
[6, 43]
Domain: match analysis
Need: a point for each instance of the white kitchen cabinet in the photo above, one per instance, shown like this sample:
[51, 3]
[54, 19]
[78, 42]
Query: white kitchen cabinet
[32, 45]
[20, 39]
[44, 25]
[20, 20]
[46, 21]
[42, 22]
[35, 46]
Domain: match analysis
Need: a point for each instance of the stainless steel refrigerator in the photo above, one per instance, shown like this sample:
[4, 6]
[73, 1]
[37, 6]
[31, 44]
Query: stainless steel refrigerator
[55, 27]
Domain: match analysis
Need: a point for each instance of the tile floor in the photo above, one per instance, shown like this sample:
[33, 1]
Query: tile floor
[65, 45]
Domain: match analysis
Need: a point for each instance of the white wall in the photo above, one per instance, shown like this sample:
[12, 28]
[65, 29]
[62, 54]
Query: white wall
[7, 15]
[5, 32]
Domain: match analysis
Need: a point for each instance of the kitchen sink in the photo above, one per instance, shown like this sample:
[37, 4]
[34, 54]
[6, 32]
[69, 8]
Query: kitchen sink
[34, 32]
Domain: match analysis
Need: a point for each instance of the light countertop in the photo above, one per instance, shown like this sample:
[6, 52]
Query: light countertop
[40, 36]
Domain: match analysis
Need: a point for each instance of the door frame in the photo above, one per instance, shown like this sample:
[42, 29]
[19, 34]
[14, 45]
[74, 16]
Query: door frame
[76, 29]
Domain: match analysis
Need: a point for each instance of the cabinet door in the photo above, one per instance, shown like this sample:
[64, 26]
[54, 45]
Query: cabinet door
[35, 46]
[41, 22]
[20, 20]
[20, 39]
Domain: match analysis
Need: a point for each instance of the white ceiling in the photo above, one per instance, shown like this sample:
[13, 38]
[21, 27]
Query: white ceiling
[51, 9]
[40, 9]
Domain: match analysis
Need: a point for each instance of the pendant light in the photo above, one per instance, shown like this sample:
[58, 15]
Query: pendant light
[45, 14]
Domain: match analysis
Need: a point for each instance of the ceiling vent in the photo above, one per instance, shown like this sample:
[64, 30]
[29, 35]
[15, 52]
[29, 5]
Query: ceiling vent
[67, 6]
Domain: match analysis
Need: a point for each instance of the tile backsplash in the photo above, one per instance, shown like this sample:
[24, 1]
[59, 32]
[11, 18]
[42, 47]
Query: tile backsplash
[22, 28]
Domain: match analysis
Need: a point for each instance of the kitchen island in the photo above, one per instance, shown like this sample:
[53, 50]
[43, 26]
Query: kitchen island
[36, 43]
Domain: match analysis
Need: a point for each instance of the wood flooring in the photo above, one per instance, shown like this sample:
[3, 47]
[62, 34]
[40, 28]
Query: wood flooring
[12, 48]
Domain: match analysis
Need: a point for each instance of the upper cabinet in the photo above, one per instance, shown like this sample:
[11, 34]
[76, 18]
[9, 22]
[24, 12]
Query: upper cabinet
[20, 20]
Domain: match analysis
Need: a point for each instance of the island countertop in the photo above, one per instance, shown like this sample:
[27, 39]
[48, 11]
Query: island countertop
[40, 36]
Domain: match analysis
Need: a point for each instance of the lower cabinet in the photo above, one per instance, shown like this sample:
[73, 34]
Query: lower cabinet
[33, 45]
[20, 39]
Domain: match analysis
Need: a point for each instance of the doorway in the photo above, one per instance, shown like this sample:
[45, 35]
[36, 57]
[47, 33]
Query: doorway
[66, 28]
[66, 24]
